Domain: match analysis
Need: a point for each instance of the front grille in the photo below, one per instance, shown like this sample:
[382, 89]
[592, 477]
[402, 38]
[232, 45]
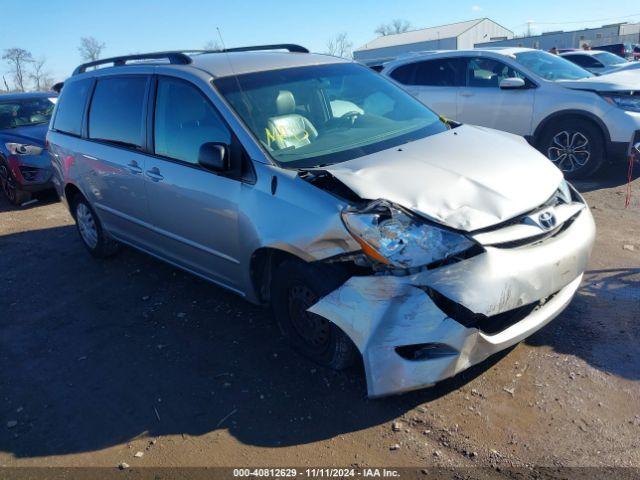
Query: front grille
[489, 324]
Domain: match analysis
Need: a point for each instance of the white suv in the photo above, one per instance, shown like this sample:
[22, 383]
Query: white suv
[575, 118]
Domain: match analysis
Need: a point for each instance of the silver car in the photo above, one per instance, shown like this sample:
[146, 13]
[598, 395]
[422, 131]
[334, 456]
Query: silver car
[374, 228]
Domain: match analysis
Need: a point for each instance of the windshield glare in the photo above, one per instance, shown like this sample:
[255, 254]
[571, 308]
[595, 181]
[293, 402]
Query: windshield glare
[319, 115]
[551, 67]
[25, 112]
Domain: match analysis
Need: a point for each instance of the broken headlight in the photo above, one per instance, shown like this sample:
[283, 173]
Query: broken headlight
[392, 236]
[23, 149]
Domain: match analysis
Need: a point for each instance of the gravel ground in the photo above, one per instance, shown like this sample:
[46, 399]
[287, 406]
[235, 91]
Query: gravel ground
[100, 360]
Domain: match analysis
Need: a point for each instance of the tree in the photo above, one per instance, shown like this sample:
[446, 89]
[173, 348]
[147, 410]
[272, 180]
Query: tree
[395, 26]
[212, 45]
[340, 46]
[90, 49]
[40, 76]
[18, 58]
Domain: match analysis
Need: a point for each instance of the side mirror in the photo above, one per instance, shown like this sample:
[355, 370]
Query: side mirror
[512, 83]
[214, 156]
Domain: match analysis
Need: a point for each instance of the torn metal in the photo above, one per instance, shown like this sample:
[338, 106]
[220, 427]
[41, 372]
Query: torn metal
[418, 329]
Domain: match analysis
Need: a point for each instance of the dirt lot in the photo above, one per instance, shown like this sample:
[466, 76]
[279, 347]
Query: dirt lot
[103, 359]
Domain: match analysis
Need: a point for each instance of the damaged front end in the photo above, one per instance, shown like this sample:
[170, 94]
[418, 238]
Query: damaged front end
[439, 300]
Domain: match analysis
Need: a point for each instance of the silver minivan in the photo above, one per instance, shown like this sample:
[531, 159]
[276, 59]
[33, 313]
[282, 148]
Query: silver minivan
[374, 228]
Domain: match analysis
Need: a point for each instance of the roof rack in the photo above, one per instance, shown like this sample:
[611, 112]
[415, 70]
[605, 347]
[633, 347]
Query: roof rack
[292, 47]
[177, 58]
[182, 57]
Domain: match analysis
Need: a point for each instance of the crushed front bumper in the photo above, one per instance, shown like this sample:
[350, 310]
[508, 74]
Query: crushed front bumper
[455, 327]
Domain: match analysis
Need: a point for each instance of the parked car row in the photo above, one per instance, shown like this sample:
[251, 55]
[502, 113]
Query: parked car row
[576, 119]
[25, 167]
[373, 227]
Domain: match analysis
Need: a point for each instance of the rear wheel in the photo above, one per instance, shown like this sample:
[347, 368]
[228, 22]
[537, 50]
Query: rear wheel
[296, 287]
[575, 146]
[10, 187]
[90, 230]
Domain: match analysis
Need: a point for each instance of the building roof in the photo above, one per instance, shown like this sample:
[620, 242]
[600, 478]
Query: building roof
[423, 35]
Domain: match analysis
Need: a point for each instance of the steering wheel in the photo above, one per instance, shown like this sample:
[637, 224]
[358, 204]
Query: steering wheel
[352, 116]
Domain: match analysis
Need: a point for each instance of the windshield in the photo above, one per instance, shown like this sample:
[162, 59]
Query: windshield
[609, 59]
[551, 67]
[319, 115]
[25, 112]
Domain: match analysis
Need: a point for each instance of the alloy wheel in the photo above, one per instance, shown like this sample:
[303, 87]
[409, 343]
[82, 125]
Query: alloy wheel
[569, 150]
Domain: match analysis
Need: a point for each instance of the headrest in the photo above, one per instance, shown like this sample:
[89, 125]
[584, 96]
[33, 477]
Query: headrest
[285, 103]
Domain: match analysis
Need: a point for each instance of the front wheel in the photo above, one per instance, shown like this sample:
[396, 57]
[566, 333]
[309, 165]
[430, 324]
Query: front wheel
[576, 147]
[90, 230]
[296, 287]
[10, 188]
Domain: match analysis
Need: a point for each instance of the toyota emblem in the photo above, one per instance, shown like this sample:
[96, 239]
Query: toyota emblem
[547, 220]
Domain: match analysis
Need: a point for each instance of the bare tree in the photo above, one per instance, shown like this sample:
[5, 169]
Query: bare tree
[18, 58]
[6, 85]
[90, 49]
[395, 26]
[212, 45]
[40, 76]
[340, 46]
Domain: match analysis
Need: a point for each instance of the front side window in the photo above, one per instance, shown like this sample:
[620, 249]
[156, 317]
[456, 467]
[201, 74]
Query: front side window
[71, 103]
[609, 59]
[117, 111]
[487, 72]
[25, 112]
[585, 61]
[184, 121]
[325, 114]
[551, 67]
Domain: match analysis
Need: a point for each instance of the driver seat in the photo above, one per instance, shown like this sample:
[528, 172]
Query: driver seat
[289, 129]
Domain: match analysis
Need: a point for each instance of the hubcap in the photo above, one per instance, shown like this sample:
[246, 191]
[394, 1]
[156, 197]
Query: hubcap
[569, 150]
[313, 329]
[87, 225]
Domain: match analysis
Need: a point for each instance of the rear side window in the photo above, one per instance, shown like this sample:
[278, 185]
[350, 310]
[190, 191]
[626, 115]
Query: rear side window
[446, 72]
[439, 73]
[71, 107]
[117, 111]
[584, 61]
[404, 74]
[184, 120]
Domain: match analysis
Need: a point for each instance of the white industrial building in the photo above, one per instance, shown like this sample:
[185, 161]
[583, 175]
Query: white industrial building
[445, 37]
[605, 35]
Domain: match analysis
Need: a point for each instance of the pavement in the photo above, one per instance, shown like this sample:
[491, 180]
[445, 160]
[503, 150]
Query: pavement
[131, 360]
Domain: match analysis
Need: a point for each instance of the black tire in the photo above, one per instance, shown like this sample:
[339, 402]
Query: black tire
[104, 246]
[296, 286]
[10, 188]
[575, 146]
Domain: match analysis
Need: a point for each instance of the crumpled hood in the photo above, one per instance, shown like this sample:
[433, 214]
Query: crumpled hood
[622, 80]
[33, 135]
[467, 178]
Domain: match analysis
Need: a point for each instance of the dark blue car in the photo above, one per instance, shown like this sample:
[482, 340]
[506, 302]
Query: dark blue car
[25, 167]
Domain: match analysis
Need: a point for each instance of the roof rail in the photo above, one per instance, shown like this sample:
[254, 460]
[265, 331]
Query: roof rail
[292, 47]
[177, 58]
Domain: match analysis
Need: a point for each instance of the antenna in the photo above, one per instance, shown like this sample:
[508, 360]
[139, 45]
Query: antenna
[243, 96]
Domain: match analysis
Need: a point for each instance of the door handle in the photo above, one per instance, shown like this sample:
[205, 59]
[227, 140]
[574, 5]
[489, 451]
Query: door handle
[466, 94]
[154, 174]
[133, 167]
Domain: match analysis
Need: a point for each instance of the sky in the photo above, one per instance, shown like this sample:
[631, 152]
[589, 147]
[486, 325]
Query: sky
[52, 28]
